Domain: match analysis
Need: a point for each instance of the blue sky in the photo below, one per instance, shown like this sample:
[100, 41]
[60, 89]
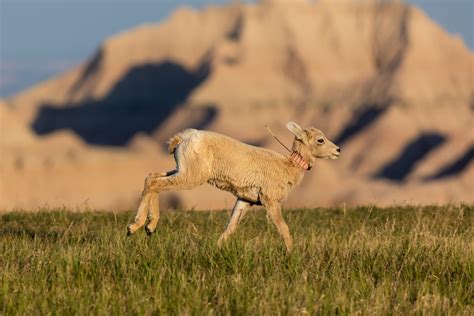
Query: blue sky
[40, 38]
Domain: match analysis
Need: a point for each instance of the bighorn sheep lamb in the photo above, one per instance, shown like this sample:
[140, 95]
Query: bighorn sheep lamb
[254, 175]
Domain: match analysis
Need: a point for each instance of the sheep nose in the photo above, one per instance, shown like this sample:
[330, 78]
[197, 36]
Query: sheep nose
[338, 149]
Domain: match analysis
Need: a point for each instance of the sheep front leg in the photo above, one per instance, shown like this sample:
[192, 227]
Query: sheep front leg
[274, 212]
[238, 213]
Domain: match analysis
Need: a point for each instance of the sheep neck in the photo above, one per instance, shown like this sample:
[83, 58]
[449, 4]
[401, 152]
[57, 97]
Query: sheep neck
[299, 160]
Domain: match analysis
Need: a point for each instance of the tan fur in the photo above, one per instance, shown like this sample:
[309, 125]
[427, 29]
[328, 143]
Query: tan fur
[254, 175]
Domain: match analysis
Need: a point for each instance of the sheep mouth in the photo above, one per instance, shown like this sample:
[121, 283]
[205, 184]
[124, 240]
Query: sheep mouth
[330, 156]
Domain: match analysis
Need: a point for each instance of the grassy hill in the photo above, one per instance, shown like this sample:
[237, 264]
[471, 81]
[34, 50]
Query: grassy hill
[369, 260]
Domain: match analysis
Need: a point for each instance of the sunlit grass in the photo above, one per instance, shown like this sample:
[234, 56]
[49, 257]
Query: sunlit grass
[374, 261]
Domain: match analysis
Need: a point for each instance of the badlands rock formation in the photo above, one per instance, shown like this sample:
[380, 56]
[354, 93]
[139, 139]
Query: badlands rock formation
[385, 82]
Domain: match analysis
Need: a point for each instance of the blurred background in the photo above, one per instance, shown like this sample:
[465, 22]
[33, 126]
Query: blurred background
[91, 91]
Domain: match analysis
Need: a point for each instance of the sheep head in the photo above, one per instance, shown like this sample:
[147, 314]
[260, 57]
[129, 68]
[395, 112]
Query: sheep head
[311, 143]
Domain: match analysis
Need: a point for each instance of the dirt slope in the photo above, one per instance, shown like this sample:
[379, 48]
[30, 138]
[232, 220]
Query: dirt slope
[389, 85]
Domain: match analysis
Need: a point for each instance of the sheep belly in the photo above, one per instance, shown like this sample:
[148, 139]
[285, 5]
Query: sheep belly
[250, 194]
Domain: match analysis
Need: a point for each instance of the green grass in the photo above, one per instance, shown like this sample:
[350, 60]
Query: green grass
[403, 260]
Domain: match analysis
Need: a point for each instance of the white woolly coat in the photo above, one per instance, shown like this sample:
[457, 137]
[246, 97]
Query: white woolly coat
[251, 173]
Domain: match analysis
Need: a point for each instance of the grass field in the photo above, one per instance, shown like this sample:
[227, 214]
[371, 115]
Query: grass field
[365, 260]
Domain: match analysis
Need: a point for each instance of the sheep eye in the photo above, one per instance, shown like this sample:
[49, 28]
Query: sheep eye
[320, 140]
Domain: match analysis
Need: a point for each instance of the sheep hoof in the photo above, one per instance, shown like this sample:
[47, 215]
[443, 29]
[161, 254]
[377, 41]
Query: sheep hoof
[220, 242]
[149, 231]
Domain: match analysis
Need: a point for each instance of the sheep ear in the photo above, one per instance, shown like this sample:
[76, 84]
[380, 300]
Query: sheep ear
[297, 131]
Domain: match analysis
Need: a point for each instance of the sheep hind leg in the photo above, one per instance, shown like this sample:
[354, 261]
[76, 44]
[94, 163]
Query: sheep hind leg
[168, 173]
[148, 206]
[153, 213]
[155, 183]
[238, 212]
[140, 218]
[154, 207]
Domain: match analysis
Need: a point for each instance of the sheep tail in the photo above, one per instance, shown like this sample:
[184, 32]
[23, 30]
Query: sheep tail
[178, 138]
[174, 142]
